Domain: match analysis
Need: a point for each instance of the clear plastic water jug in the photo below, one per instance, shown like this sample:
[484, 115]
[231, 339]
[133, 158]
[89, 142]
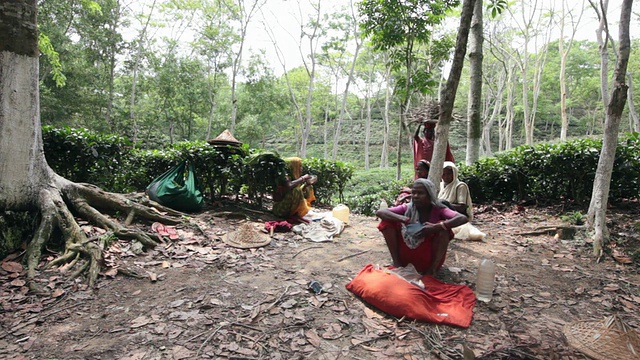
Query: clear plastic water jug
[341, 212]
[485, 280]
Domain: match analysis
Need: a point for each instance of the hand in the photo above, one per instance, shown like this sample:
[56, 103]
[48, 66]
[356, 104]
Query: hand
[430, 228]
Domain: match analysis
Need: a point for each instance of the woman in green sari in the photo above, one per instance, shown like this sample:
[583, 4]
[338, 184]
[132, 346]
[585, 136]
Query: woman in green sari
[293, 196]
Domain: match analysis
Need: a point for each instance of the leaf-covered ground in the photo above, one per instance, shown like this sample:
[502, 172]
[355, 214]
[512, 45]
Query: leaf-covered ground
[197, 298]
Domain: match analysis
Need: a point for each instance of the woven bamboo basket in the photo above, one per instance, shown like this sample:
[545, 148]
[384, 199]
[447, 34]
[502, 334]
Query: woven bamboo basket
[605, 339]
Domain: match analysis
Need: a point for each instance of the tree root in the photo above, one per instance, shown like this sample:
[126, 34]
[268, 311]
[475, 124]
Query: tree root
[56, 204]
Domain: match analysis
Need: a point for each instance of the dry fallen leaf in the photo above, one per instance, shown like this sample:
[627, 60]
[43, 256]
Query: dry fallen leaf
[11, 266]
[611, 287]
[181, 352]
[57, 293]
[112, 272]
[621, 257]
[17, 283]
[312, 337]
[140, 321]
[371, 314]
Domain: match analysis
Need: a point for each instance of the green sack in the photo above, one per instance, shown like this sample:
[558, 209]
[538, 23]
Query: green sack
[171, 189]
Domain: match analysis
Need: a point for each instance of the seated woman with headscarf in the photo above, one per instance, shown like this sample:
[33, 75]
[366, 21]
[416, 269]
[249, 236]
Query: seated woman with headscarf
[453, 192]
[293, 196]
[422, 171]
[419, 232]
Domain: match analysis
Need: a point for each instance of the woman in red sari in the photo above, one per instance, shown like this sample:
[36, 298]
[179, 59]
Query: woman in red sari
[418, 233]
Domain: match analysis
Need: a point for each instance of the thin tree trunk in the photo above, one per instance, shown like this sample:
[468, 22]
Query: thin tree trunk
[474, 120]
[601, 11]
[563, 66]
[367, 131]
[602, 182]
[510, 113]
[633, 114]
[345, 96]
[134, 81]
[245, 18]
[448, 94]
[497, 109]
[311, 72]
[384, 156]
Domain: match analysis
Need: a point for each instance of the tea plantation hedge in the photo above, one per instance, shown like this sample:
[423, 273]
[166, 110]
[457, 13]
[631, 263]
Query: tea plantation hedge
[113, 164]
[545, 172]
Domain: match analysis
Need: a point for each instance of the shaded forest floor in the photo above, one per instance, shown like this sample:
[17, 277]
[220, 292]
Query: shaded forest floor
[197, 298]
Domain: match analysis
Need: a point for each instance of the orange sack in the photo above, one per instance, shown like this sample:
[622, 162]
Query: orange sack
[438, 303]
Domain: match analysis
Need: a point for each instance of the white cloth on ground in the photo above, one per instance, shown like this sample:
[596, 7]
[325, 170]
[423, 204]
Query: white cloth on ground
[320, 231]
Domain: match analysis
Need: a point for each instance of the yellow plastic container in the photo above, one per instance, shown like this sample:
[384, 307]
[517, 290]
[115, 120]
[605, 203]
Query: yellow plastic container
[341, 212]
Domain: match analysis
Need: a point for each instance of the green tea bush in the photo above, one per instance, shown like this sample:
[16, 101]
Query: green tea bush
[625, 183]
[554, 172]
[333, 177]
[85, 156]
[368, 188]
[263, 171]
[142, 166]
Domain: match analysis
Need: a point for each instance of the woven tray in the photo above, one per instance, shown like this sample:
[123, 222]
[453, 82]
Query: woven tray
[605, 339]
[246, 237]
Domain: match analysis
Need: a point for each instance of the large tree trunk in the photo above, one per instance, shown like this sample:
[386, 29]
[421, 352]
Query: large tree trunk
[597, 207]
[474, 120]
[26, 180]
[448, 94]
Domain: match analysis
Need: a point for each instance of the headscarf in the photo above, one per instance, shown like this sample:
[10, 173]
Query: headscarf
[295, 167]
[408, 231]
[449, 192]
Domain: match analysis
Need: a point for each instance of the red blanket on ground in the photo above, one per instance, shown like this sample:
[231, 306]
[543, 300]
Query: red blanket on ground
[438, 303]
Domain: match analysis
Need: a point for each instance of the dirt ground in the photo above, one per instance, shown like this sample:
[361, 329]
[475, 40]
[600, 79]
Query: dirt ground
[197, 298]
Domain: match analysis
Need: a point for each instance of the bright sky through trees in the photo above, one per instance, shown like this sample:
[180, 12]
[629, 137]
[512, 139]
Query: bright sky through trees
[285, 17]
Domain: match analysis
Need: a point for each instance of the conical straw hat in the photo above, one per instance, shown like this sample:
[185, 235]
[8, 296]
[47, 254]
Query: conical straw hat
[226, 136]
[246, 237]
[606, 339]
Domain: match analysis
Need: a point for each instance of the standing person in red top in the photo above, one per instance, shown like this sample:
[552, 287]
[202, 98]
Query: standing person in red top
[418, 233]
[423, 145]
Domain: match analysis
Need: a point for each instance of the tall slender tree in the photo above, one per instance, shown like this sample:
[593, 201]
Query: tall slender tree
[448, 93]
[474, 110]
[602, 182]
[564, 53]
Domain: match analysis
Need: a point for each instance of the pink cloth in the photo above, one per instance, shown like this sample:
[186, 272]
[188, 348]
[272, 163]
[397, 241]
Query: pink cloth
[278, 226]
